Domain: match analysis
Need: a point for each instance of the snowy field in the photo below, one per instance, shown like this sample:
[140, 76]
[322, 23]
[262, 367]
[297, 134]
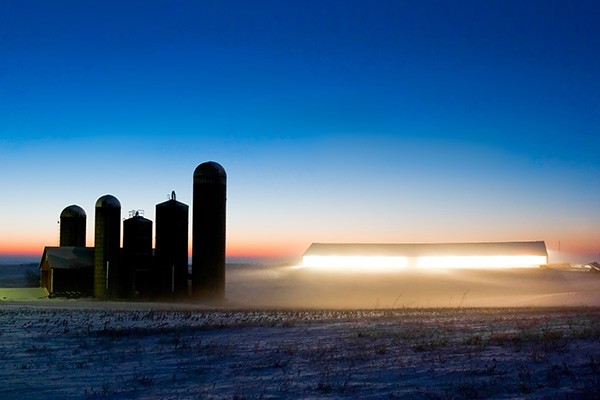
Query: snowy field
[290, 333]
[55, 351]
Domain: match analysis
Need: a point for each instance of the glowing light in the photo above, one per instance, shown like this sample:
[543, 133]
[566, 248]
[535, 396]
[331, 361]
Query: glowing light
[363, 263]
[397, 263]
[481, 262]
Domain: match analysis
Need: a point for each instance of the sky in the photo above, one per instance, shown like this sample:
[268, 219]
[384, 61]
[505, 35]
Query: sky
[355, 121]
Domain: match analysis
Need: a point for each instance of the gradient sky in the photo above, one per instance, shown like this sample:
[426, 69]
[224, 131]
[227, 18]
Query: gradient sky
[353, 121]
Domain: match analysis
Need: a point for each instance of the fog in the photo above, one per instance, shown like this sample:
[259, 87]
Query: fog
[289, 286]
[258, 286]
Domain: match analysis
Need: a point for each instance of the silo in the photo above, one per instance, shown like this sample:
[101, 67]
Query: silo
[172, 223]
[137, 257]
[107, 238]
[72, 226]
[208, 231]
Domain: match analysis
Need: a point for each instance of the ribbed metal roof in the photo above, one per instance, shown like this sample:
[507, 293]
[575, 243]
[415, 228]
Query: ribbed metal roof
[108, 201]
[73, 211]
[428, 249]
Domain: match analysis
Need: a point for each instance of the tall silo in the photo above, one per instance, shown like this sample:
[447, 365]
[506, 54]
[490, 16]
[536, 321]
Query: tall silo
[72, 226]
[208, 231]
[137, 257]
[107, 247]
[172, 223]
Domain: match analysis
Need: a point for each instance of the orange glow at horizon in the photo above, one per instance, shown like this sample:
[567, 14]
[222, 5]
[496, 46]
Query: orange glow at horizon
[22, 248]
[22, 243]
[263, 250]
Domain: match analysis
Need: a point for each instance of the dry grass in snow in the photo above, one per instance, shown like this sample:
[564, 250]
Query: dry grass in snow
[48, 353]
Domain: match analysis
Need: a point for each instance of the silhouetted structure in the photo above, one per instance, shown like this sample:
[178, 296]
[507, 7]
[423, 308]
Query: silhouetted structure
[208, 231]
[137, 257]
[107, 247]
[72, 226]
[68, 270]
[137, 269]
[172, 222]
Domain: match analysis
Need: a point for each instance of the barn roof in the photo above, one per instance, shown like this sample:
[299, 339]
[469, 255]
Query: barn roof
[67, 257]
[535, 248]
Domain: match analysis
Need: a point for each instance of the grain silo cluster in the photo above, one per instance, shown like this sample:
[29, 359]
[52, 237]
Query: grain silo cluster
[137, 270]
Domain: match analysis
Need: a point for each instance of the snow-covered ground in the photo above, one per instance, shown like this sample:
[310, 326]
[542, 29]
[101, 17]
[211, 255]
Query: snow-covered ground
[288, 332]
[83, 350]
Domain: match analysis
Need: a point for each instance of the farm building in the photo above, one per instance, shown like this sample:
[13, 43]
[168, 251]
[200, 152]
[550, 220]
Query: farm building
[422, 256]
[68, 269]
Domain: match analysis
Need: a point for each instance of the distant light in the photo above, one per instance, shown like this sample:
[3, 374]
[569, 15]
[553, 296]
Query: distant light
[365, 263]
[398, 263]
[487, 262]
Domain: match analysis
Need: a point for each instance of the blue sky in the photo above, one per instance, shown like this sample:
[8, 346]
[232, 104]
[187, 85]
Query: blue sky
[366, 121]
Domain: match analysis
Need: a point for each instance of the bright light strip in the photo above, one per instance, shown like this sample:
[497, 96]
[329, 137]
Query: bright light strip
[365, 263]
[481, 262]
[388, 263]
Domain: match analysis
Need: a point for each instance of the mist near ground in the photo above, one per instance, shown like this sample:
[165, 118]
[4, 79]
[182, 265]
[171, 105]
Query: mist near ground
[257, 286]
[299, 287]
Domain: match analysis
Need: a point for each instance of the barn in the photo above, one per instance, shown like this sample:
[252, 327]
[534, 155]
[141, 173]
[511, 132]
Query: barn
[425, 256]
[68, 270]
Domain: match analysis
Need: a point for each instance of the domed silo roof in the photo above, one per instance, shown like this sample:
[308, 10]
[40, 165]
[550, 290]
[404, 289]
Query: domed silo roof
[72, 226]
[73, 211]
[108, 201]
[211, 171]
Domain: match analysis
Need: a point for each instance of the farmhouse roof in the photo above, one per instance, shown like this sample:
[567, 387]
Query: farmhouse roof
[535, 248]
[67, 257]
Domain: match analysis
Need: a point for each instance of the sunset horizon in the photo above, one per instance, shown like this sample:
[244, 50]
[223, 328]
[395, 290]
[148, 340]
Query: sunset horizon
[385, 122]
